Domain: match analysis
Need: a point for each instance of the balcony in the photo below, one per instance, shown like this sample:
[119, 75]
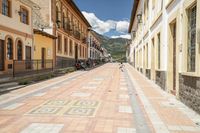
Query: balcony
[84, 40]
[77, 34]
[68, 28]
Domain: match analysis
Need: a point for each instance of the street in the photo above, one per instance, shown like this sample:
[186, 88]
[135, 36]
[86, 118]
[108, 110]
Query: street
[102, 100]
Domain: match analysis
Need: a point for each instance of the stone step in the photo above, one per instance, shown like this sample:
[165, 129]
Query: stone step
[8, 85]
[3, 90]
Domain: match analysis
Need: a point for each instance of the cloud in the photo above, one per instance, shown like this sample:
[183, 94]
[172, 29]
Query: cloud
[99, 25]
[127, 36]
[122, 26]
[103, 27]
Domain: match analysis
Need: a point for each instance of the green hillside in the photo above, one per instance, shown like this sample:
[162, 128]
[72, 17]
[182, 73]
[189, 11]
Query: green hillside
[115, 46]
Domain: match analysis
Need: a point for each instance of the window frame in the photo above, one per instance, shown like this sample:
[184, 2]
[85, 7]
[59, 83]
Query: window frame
[9, 14]
[59, 43]
[23, 9]
[9, 51]
[66, 45]
[192, 31]
[21, 43]
[70, 47]
[159, 50]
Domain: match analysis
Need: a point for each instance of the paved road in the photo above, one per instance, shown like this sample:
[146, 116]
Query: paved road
[103, 100]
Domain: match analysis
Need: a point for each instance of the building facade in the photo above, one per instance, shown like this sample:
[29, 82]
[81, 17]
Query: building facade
[64, 20]
[94, 47]
[16, 34]
[43, 49]
[166, 45]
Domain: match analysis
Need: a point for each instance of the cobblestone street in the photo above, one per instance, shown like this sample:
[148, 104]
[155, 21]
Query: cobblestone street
[102, 100]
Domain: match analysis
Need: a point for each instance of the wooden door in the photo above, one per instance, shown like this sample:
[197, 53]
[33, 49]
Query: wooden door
[28, 53]
[28, 57]
[76, 52]
[2, 55]
[43, 54]
[153, 60]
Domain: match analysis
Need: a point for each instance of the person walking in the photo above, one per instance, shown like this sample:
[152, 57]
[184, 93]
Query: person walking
[121, 67]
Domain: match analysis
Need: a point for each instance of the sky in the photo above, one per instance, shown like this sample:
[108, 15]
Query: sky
[107, 17]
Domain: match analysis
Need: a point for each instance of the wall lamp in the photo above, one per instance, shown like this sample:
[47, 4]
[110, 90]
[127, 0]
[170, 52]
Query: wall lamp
[139, 17]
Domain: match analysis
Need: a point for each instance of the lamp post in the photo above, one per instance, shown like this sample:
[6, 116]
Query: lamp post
[139, 17]
[133, 34]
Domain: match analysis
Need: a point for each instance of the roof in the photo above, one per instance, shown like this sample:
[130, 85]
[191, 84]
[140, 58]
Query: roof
[74, 6]
[134, 10]
[36, 31]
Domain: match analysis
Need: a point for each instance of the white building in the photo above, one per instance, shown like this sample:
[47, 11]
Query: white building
[94, 47]
[166, 44]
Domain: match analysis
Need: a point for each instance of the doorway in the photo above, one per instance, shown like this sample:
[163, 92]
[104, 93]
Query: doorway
[173, 28]
[172, 70]
[43, 54]
[2, 61]
[153, 60]
[28, 57]
[134, 58]
[76, 52]
[144, 60]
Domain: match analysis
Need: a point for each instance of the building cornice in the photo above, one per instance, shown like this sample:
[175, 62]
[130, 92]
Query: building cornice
[156, 19]
[76, 9]
[39, 32]
[134, 10]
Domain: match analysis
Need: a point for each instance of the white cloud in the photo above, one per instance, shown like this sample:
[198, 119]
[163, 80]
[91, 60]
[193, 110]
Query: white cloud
[127, 36]
[99, 25]
[122, 26]
[103, 27]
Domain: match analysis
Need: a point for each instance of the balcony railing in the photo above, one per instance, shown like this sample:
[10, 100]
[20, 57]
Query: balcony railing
[84, 40]
[68, 28]
[77, 34]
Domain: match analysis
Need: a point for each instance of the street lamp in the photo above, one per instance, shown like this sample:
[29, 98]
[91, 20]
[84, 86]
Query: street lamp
[139, 17]
[133, 34]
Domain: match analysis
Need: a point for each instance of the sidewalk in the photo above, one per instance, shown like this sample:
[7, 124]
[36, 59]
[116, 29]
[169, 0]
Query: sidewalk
[165, 112]
[95, 101]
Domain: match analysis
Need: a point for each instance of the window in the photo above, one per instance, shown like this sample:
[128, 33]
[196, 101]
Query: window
[83, 52]
[66, 46]
[147, 53]
[59, 43]
[10, 49]
[153, 4]
[70, 49]
[80, 54]
[6, 8]
[146, 9]
[24, 15]
[191, 39]
[58, 17]
[159, 51]
[63, 21]
[19, 50]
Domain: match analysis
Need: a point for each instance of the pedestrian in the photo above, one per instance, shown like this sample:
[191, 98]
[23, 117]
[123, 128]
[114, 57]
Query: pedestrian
[121, 67]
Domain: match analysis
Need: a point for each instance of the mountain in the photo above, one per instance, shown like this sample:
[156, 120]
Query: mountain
[115, 46]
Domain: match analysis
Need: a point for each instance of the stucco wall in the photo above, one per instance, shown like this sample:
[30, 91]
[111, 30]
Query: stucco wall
[43, 42]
